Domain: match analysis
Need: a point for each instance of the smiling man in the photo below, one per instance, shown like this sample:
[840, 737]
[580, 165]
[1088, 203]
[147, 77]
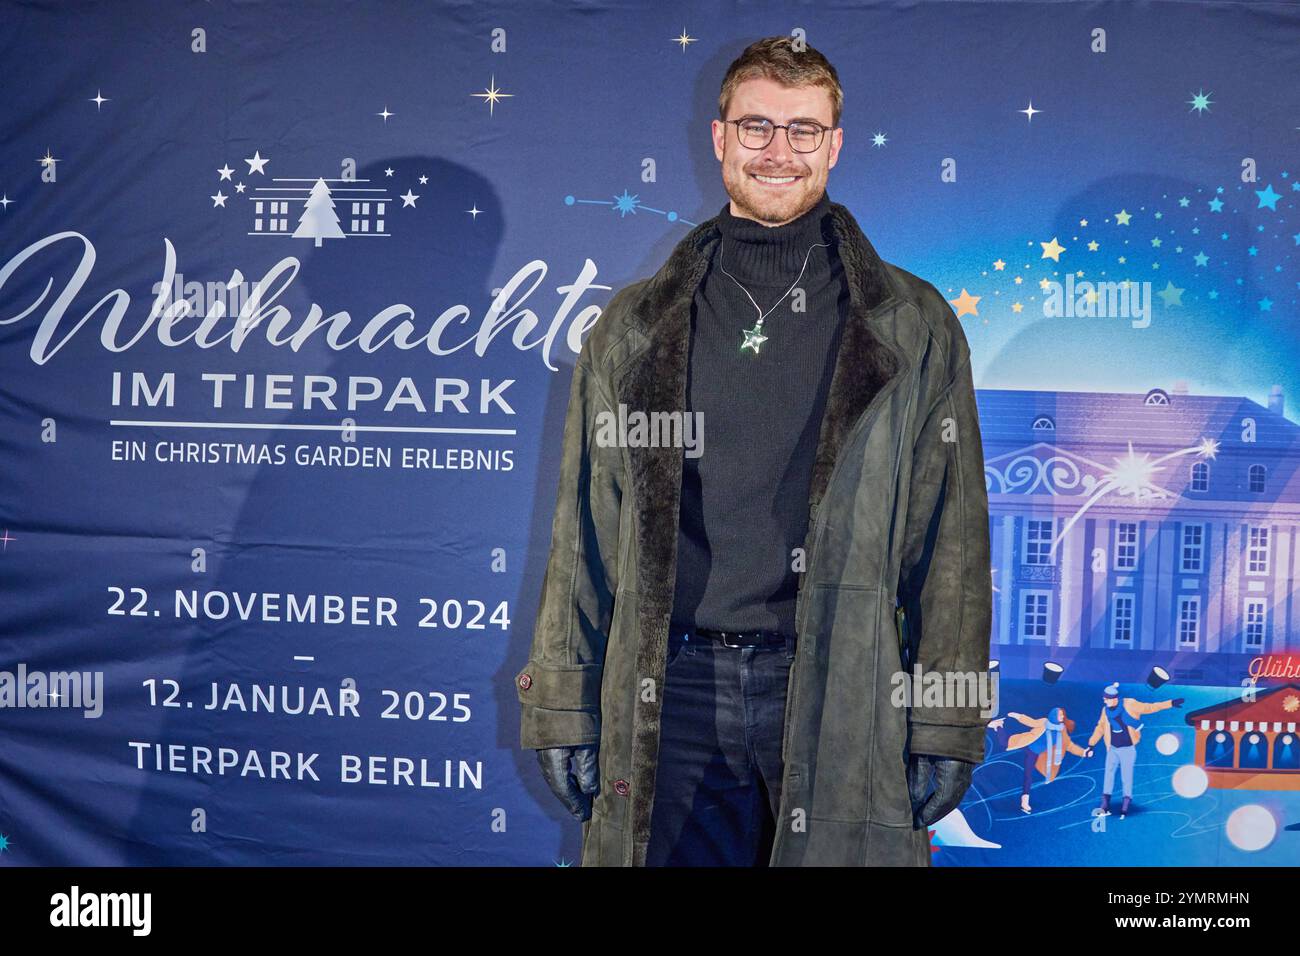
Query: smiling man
[712, 663]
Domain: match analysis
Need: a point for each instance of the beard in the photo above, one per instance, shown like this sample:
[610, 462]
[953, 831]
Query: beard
[769, 205]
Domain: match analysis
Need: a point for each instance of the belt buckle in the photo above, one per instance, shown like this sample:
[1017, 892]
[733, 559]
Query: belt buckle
[727, 643]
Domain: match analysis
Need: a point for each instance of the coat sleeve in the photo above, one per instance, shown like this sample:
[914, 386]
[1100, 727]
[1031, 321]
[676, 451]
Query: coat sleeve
[945, 581]
[559, 687]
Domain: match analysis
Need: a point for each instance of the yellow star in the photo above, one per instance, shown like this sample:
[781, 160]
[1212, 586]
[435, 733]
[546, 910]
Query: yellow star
[1019, 279]
[1122, 218]
[684, 39]
[1083, 222]
[491, 95]
[1017, 307]
[1091, 296]
[965, 303]
[1052, 250]
[999, 265]
[1092, 246]
[1044, 284]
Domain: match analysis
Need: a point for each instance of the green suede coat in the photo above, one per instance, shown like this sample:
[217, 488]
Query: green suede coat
[897, 571]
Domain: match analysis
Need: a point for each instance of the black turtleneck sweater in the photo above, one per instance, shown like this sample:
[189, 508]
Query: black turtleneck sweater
[744, 506]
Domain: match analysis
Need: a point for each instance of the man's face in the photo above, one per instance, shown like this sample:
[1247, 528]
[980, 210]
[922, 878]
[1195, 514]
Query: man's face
[774, 205]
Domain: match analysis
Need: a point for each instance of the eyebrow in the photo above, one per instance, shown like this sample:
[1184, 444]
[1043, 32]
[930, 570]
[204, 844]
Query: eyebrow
[796, 119]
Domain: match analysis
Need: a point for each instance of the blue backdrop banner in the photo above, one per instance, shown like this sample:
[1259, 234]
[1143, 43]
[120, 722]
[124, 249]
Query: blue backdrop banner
[290, 297]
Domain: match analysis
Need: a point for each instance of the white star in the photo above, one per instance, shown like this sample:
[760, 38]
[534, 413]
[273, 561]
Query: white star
[47, 159]
[385, 114]
[408, 199]
[225, 171]
[239, 187]
[219, 200]
[257, 164]
[424, 180]
[6, 201]
[1030, 112]
[475, 211]
[98, 99]
[388, 171]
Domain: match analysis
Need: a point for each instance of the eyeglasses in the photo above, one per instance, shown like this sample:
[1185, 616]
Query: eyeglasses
[755, 132]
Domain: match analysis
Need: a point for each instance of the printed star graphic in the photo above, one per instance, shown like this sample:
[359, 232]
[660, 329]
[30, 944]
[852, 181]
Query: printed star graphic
[257, 164]
[491, 94]
[474, 211]
[1017, 307]
[1171, 294]
[1052, 250]
[879, 140]
[424, 180]
[1216, 205]
[1083, 222]
[389, 171]
[1267, 198]
[1201, 102]
[47, 159]
[385, 114]
[408, 199]
[225, 171]
[1122, 218]
[1092, 246]
[1266, 304]
[5, 202]
[99, 99]
[218, 200]
[683, 39]
[1201, 258]
[999, 265]
[239, 187]
[965, 303]
[1030, 112]
[4, 843]
[1182, 202]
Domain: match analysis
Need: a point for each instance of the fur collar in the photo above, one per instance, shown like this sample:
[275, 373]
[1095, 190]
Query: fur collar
[653, 379]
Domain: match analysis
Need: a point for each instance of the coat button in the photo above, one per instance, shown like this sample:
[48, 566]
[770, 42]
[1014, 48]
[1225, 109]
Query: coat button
[525, 681]
[621, 787]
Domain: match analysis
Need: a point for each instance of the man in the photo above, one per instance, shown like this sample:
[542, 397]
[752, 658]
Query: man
[1121, 735]
[710, 674]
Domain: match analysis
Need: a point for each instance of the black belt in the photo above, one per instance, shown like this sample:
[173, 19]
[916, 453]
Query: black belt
[741, 638]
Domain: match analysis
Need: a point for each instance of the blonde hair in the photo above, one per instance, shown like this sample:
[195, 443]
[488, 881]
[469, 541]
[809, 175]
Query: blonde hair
[775, 59]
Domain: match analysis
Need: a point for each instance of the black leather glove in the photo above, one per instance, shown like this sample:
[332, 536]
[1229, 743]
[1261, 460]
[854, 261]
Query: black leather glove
[575, 794]
[952, 777]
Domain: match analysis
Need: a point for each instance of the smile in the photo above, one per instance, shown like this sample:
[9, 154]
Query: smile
[774, 180]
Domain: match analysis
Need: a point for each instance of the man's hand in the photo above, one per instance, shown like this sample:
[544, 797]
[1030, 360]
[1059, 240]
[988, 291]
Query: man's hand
[575, 795]
[951, 779]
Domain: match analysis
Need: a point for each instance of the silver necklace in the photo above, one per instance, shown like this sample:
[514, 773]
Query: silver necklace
[754, 337]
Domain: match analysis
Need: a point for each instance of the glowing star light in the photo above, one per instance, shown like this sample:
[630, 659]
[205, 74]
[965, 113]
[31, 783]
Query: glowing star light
[683, 39]
[491, 94]
[1133, 477]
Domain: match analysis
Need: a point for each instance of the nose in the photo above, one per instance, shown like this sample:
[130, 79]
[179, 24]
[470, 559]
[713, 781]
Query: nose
[778, 153]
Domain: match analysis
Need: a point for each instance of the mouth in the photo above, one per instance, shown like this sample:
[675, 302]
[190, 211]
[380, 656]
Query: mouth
[775, 182]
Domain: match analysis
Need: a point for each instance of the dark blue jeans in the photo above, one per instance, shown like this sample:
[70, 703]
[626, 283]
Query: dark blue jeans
[718, 786]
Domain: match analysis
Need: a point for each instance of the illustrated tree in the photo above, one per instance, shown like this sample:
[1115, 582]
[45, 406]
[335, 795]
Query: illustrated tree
[319, 221]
